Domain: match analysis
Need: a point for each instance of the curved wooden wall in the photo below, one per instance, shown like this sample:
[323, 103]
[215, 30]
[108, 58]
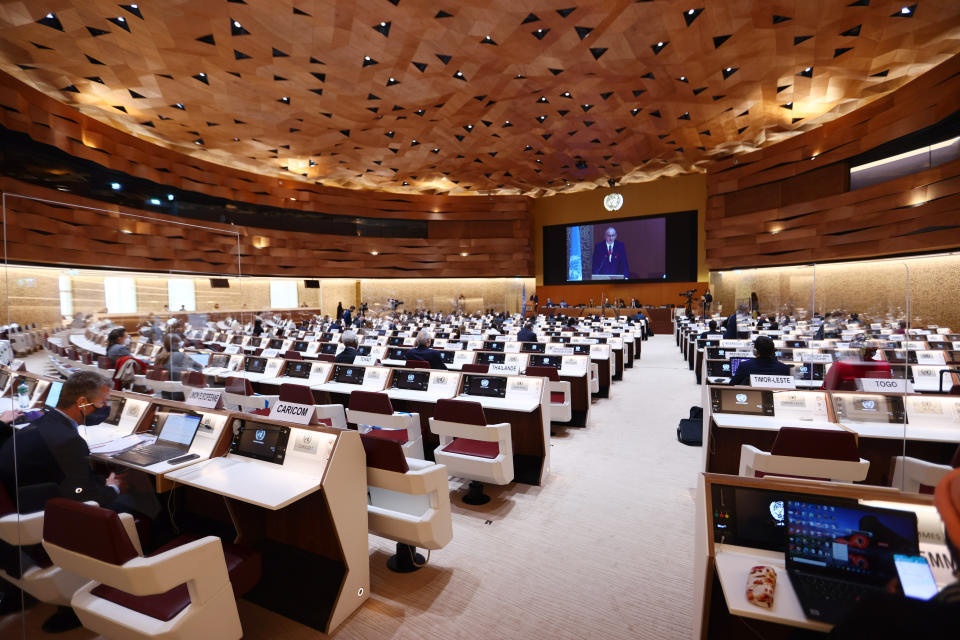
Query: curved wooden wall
[789, 203]
[45, 233]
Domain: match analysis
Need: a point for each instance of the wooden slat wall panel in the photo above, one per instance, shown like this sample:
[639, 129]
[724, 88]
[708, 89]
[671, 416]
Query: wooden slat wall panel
[789, 203]
[45, 233]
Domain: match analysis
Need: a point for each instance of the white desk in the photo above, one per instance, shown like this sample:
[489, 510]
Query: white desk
[769, 423]
[524, 405]
[733, 567]
[203, 444]
[256, 482]
[897, 431]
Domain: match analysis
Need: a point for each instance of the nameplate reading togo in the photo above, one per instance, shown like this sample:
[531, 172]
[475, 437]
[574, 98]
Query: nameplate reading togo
[773, 382]
[365, 360]
[205, 399]
[886, 385]
[293, 412]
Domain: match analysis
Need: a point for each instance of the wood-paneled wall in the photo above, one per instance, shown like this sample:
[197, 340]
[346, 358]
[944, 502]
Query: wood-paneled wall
[789, 203]
[65, 234]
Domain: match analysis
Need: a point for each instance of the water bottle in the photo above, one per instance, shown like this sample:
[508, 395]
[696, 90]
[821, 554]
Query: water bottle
[23, 395]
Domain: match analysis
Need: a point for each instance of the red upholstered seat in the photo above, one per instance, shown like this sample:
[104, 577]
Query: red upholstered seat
[462, 411]
[239, 386]
[104, 362]
[843, 375]
[243, 565]
[296, 393]
[546, 372]
[557, 397]
[292, 355]
[193, 379]
[825, 444]
[395, 435]
[326, 357]
[371, 402]
[417, 364]
[475, 368]
[158, 374]
[476, 448]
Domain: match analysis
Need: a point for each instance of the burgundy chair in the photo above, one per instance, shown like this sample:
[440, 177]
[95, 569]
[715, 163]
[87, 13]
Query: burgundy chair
[817, 454]
[296, 393]
[292, 355]
[182, 590]
[375, 410]
[194, 379]
[417, 364]
[475, 368]
[326, 357]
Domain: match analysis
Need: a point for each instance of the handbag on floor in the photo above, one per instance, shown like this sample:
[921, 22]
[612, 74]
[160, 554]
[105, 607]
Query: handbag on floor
[690, 430]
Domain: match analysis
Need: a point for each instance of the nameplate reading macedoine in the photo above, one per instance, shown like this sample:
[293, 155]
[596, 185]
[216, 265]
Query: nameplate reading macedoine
[232, 349]
[740, 354]
[884, 385]
[511, 369]
[773, 382]
[293, 412]
[205, 398]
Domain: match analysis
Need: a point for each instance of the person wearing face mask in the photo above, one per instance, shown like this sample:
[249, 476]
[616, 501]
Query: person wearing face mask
[51, 449]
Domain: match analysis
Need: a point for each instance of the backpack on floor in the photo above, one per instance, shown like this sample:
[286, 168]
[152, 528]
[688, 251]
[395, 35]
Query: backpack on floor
[690, 430]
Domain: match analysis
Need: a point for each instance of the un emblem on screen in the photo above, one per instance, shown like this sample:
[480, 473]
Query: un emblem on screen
[612, 202]
[741, 398]
[260, 434]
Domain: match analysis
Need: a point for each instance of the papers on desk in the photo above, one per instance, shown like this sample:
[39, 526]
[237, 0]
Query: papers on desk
[119, 445]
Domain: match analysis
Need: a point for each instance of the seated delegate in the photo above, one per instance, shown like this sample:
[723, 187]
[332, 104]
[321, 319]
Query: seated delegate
[765, 363]
[424, 353]
[349, 353]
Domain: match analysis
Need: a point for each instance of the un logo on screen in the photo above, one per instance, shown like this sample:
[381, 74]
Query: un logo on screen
[484, 383]
[869, 404]
[741, 398]
[260, 434]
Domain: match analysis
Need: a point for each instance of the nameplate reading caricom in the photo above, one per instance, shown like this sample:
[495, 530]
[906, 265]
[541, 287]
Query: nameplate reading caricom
[773, 382]
[293, 412]
[205, 399]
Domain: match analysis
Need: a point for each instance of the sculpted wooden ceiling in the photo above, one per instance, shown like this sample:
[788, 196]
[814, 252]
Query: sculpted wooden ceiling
[488, 96]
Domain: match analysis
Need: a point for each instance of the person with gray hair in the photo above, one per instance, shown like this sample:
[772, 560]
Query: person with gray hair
[349, 353]
[51, 450]
[423, 353]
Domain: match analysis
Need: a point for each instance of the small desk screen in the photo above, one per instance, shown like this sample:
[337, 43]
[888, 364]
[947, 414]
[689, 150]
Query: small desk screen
[395, 341]
[491, 358]
[328, 348]
[411, 380]
[364, 350]
[275, 343]
[447, 356]
[348, 374]
[491, 345]
[298, 369]
[116, 410]
[301, 345]
[261, 442]
[256, 341]
[256, 365]
[744, 401]
[872, 408]
[220, 360]
[718, 369]
[546, 361]
[396, 353]
[237, 340]
[492, 387]
[533, 347]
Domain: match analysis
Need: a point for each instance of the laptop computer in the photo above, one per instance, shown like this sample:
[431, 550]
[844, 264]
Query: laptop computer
[839, 551]
[176, 436]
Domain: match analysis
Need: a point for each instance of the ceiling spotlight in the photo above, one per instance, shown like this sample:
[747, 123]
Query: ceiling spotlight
[683, 78]
[49, 16]
[169, 196]
[469, 127]
[464, 254]
[729, 69]
[116, 186]
[383, 24]
[808, 70]
[542, 99]
[202, 75]
[660, 44]
[374, 253]
[155, 201]
[120, 18]
[459, 74]
[237, 25]
[690, 12]
[565, 94]
[393, 79]
[236, 139]
[366, 58]
[904, 10]
[133, 6]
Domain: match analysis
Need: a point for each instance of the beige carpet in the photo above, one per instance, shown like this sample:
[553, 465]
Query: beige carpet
[603, 550]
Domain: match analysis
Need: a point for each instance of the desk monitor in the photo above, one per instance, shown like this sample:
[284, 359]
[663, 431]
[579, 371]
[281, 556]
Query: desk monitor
[348, 374]
[221, 337]
[300, 345]
[546, 361]
[868, 408]
[709, 343]
[395, 341]
[796, 344]
[220, 360]
[749, 517]
[330, 348]
[255, 365]
[275, 343]
[809, 371]
[396, 353]
[447, 356]
[716, 353]
[784, 354]
[4, 379]
[202, 359]
[326, 336]
[236, 340]
[491, 358]
[480, 385]
[492, 345]
[843, 539]
[533, 347]
[297, 368]
[719, 369]
[562, 339]
[600, 340]
[255, 341]
[53, 394]
[116, 410]
[411, 380]
[443, 335]
[260, 441]
[581, 349]
[151, 350]
[757, 402]
[364, 350]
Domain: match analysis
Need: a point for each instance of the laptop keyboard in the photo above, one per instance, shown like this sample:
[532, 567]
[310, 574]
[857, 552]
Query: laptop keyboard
[150, 454]
[827, 598]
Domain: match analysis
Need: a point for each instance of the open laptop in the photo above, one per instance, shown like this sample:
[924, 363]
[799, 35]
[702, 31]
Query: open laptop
[839, 551]
[176, 436]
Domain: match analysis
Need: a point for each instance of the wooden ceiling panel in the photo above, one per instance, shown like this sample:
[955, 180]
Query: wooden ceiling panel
[630, 90]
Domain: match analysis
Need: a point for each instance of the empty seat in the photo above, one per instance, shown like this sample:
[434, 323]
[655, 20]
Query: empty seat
[471, 448]
[913, 475]
[330, 414]
[292, 355]
[475, 368]
[417, 364]
[192, 380]
[372, 410]
[561, 407]
[185, 589]
[819, 454]
[409, 501]
[238, 392]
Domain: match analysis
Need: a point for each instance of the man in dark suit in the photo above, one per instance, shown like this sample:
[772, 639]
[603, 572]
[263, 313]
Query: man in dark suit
[349, 341]
[348, 316]
[526, 334]
[730, 324]
[765, 363]
[423, 352]
[610, 256]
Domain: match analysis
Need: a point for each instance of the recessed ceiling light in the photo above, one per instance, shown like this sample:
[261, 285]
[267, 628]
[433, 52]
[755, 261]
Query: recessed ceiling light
[383, 24]
[808, 70]
[236, 139]
[133, 6]
[155, 201]
[116, 186]
[691, 12]
[905, 10]
[49, 16]
[374, 253]
[120, 18]
[366, 58]
[459, 74]
[729, 69]
[237, 24]
[565, 94]
[125, 231]
[393, 79]
[169, 196]
[683, 78]
[660, 44]
[464, 254]
[470, 127]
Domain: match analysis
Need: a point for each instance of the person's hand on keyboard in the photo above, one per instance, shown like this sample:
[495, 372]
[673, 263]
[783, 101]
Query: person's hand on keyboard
[117, 481]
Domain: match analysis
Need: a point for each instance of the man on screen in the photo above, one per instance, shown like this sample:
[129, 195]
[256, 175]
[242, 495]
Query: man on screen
[610, 257]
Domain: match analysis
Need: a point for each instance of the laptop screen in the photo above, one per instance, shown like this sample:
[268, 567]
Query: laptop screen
[53, 394]
[846, 540]
[203, 359]
[179, 428]
[735, 364]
